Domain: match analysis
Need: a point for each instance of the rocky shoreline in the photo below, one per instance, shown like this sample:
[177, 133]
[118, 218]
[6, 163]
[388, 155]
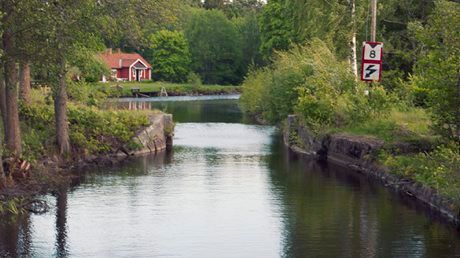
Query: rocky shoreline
[358, 153]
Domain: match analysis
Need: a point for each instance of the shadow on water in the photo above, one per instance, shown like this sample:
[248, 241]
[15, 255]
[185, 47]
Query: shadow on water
[332, 211]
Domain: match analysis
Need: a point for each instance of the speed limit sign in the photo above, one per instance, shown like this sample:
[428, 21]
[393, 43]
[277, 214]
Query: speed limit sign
[372, 51]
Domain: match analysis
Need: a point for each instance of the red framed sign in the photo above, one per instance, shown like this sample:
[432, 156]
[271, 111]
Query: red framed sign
[371, 65]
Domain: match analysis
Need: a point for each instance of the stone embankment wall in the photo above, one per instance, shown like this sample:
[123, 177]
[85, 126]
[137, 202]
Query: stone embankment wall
[360, 153]
[156, 137]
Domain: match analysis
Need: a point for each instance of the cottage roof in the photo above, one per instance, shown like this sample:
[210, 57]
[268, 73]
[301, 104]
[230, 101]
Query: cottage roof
[120, 59]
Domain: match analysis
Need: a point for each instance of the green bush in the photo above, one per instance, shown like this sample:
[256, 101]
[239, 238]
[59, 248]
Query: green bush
[87, 94]
[92, 130]
[98, 131]
[312, 83]
[437, 71]
[439, 169]
[194, 80]
[254, 95]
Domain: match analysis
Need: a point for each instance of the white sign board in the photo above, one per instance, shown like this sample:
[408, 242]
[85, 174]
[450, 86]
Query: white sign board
[372, 51]
[371, 71]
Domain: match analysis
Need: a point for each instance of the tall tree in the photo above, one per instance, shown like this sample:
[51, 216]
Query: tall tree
[70, 23]
[276, 27]
[21, 18]
[215, 46]
[24, 81]
[169, 51]
[214, 4]
[145, 18]
[248, 28]
[438, 68]
[12, 129]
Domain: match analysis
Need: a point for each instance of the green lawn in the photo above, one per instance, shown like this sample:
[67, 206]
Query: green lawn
[399, 126]
[173, 89]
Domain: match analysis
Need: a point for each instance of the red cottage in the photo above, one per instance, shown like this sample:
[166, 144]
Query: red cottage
[126, 66]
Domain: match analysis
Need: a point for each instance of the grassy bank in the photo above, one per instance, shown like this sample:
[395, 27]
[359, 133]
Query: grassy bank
[310, 82]
[124, 89]
[408, 125]
[93, 130]
[436, 164]
[94, 133]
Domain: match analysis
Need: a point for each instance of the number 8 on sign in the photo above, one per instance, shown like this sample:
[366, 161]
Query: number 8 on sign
[372, 51]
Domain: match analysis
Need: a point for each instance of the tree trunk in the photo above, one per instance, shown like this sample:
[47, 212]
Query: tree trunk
[24, 82]
[3, 114]
[3, 101]
[60, 109]
[354, 61]
[13, 133]
[458, 109]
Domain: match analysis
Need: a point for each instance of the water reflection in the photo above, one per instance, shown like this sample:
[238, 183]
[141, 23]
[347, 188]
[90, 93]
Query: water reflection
[226, 190]
[191, 109]
[15, 236]
[61, 223]
[330, 211]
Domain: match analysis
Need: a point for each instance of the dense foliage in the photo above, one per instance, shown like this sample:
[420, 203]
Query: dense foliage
[169, 51]
[437, 72]
[93, 131]
[286, 23]
[417, 103]
[312, 82]
[214, 45]
[439, 169]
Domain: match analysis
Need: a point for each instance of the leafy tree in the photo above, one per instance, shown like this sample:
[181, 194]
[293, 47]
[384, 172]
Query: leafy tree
[85, 63]
[214, 4]
[127, 24]
[12, 23]
[400, 46]
[248, 28]
[311, 82]
[240, 8]
[438, 69]
[276, 27]
[169, 55]
[215, 46]
[70, 29]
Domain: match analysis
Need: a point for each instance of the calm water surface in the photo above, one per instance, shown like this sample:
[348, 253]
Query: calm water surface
[228, 189]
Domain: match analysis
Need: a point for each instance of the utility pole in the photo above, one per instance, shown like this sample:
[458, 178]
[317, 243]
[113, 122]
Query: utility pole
[374, 20]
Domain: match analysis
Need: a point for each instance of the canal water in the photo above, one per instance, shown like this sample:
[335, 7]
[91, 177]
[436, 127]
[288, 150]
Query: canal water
[229, 188]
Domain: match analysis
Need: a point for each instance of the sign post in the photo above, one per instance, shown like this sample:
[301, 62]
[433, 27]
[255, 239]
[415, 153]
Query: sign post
[371, 65]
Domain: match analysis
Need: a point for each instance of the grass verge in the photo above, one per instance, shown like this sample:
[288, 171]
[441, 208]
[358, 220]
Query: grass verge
[173, 89]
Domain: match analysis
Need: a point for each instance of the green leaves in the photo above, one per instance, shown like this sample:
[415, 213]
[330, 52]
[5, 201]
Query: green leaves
[169, 55]
[312, 83]
[438, 169]
[437, 72]
[92, 130]
[215, 47]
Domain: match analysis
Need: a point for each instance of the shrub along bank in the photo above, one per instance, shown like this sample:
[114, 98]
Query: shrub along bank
[94, 133]
[310, 82]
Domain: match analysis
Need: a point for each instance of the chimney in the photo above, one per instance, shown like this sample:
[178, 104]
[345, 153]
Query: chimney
[118, 50]
[109, 51]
